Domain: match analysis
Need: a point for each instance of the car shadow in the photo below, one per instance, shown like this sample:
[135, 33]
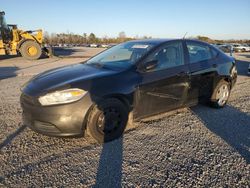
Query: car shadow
[10, 137]
[242, 67]
[2, 57]
[67, 52]
[62, 51]
[109, 172]
[8, 72]
[229, 123]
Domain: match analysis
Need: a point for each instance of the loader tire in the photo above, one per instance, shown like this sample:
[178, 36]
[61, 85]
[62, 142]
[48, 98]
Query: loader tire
[31, 50]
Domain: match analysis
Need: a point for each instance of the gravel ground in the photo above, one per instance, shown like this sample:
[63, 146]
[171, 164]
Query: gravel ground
[197, 147]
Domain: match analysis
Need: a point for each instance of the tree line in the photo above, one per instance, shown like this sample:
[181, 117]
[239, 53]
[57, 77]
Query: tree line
[71, 38]
[215, 41]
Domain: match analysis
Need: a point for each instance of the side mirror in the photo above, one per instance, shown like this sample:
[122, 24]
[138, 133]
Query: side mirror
[150, 65]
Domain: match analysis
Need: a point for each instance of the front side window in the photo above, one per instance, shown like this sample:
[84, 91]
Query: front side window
[170, 55]
[198, 52]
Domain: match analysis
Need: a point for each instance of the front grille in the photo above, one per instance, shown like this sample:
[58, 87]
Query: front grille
[46, 127]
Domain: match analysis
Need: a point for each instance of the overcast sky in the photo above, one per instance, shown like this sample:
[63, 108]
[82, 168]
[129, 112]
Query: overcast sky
[217, 19]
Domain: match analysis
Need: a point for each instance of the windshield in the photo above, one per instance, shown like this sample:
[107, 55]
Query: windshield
[121, 56]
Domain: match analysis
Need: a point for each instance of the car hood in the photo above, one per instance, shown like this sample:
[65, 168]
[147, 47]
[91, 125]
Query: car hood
[63, 77]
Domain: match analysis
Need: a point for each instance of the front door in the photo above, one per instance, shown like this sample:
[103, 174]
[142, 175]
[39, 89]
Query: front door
[165, 87]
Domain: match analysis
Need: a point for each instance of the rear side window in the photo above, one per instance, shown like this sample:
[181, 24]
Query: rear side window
[214, 52]
[198, 52]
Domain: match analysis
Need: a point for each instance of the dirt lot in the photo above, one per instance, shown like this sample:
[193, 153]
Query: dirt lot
[196, 147]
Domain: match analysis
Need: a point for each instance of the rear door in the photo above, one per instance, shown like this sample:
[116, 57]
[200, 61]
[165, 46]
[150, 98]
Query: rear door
[201, 67]
[165, 87]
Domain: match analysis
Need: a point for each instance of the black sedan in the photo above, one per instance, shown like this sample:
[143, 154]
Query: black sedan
[141, 78]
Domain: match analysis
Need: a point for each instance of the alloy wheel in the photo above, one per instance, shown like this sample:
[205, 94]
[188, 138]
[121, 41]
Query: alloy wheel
[222, 94]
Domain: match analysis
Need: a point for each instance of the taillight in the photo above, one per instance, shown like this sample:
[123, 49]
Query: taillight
[234, 72]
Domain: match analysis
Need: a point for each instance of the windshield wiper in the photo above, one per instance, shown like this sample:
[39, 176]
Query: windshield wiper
[96, 64]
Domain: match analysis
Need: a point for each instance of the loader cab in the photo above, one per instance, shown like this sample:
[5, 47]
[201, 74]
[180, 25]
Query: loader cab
[3, 23]
[4, 28]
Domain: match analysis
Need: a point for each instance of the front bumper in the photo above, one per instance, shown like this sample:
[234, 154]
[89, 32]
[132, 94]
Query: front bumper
[56, 120]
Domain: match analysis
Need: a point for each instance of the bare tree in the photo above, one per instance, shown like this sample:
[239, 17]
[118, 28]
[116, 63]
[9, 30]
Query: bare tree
[46, 37]
[85, 38]
[92, 38]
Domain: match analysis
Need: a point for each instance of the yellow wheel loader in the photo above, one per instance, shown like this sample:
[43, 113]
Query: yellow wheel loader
[14, 41]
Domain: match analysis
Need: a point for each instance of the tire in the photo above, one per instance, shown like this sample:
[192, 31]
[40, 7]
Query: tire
[48, 51]
[31, 50]
[220, 94]
[107, 120]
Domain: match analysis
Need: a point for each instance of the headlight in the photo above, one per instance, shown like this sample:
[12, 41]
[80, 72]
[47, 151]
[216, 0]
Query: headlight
[62, 97]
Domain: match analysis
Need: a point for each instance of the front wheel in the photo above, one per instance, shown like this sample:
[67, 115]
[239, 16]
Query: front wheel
[107, 120]
[220, 94]
[31, 50]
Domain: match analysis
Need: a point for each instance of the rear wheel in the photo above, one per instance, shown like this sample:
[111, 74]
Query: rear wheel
[107, 120]
[220, 94]
[31, 50]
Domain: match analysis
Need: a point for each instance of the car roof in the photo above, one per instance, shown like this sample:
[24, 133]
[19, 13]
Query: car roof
[153, 41]
[160, 40]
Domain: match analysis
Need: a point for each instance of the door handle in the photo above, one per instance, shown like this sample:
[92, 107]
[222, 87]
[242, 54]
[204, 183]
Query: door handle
[214, 65]
[182, 73]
